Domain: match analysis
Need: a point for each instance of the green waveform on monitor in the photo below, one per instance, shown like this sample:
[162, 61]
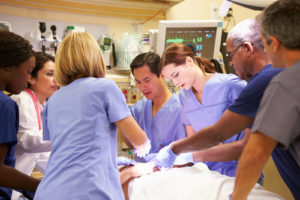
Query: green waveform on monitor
[176, 40]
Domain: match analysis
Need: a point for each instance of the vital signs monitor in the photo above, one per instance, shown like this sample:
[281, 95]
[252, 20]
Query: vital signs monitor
[203, 35]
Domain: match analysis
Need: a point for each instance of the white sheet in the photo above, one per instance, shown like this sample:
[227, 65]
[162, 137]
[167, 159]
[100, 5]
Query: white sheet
[196, 182]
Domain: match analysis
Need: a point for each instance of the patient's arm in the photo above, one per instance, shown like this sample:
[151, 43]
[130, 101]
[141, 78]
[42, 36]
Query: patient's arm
[132, 171]
[137, 170]
[140, 169]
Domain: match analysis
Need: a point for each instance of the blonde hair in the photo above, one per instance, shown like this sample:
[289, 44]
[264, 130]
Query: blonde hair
[78, 56]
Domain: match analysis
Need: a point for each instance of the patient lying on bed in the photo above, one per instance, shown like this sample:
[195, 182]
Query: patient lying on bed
[143, 181]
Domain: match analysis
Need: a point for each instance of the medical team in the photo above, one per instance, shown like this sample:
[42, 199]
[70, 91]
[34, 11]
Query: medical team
[277, 123]
[211, 117]
[247, 57]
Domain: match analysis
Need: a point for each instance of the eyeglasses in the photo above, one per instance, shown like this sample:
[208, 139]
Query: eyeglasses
[229, 54]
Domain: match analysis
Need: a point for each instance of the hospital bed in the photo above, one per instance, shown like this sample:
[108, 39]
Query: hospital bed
[195, 182]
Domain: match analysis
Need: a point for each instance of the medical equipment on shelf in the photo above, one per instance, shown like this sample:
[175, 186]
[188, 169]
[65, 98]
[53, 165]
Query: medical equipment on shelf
[145, 45]
[73, 29]
[55, 44]
[5, 26]
[126, 50]
[106, 43]
[152, 39]
[47, 41]
[43, 30]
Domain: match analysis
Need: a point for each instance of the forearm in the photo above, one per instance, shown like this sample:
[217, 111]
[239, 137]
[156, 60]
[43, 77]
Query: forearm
[220, 153]
[126, 174]
[228, 125]
[131, 131]
[251, 164]
[12, 178]
[203, 139]
[223, 152]
[137, 170]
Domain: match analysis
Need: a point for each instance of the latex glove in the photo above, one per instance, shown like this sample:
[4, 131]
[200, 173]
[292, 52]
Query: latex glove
[230, 197]
[150, 157]
[184, 158]
[165, 157]
[142, 150]
[125, 161]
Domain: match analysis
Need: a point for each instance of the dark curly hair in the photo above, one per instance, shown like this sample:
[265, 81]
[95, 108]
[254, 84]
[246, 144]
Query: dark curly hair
[14, 49]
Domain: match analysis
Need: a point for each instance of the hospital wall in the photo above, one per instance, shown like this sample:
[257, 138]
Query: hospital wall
[202, 9]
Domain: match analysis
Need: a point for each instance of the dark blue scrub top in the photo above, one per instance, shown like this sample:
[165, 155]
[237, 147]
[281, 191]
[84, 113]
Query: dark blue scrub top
[248, 102]
[9, 124]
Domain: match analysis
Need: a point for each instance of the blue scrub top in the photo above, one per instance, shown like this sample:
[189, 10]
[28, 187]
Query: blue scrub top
[9, 124]
[248, 102]
[219, 93]
[79, 120]
[288, 169]
[164, 128]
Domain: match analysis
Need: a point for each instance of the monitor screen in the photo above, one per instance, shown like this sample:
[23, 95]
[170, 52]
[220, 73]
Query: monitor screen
[203, 35]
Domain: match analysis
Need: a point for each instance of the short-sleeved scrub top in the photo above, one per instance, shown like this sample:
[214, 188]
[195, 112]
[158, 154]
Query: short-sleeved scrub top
[79, 120]
[162, 129]
[219, 93]
[248, 102]
[9, 124]
[279, 118]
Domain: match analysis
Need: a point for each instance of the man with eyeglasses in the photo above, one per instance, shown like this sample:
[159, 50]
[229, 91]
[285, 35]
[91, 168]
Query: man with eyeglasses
[276, 129]
[245, 49]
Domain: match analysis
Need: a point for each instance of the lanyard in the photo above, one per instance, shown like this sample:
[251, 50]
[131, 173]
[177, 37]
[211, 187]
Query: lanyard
[33, 97]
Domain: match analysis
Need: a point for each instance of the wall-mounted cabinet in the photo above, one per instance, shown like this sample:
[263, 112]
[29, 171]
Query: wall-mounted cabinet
[132, 9]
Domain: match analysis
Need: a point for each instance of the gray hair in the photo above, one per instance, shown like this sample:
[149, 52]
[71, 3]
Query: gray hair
[246, 31]
[281, 19]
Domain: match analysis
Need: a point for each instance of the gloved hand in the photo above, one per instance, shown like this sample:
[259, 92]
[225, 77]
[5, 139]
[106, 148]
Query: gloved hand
[150, 157]
[125, 161]
[142, 150]
[184, 158]
[165, 157]
[230, 197]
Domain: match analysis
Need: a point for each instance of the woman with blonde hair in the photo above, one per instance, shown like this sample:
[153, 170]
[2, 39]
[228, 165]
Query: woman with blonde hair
[81, 119]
